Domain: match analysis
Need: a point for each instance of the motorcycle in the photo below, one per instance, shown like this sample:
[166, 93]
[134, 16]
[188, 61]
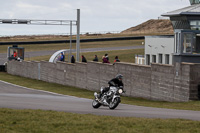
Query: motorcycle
[110, 98]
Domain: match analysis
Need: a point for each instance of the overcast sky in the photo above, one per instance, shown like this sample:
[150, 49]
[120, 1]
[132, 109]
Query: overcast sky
[96, 15]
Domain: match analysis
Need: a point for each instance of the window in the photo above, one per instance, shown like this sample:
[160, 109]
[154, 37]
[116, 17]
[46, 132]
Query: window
[195, 25]
[196, 47]
[194, 2]
[147, 59]
[166, 59]
[177, 42]
[187, 42]
[154, 58]
[160, 58]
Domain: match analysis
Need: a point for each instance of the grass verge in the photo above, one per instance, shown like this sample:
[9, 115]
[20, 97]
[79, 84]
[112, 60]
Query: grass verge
[59, 46]
[73, 91]
[124, 55]
[38, 121]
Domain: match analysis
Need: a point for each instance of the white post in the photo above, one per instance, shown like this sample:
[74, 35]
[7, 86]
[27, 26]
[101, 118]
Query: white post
[78, 36]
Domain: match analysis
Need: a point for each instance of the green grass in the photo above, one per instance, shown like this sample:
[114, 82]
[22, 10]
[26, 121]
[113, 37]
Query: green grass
[73, 91]
[59, 46]
[38, 121]
[124, 55]
[40, 85]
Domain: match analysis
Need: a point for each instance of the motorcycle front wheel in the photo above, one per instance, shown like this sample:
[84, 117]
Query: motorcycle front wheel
[95, 104]
[115, 103]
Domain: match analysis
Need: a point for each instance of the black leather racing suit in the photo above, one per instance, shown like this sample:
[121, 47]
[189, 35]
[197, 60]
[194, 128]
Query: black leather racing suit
[113, 82]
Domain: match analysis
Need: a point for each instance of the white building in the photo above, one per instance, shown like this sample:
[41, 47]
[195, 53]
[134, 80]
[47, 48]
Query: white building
[159, 49]
[184, 45]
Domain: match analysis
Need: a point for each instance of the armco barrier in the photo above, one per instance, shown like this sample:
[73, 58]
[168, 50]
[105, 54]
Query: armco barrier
[177, 83]
[73, 41]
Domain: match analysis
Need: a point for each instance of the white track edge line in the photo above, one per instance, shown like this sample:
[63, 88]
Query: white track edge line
[32, 88]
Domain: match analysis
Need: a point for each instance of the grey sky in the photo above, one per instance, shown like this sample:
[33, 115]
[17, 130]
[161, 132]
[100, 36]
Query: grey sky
[96, 15]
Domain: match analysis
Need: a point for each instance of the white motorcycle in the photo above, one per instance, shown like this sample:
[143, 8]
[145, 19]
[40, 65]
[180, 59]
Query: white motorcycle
[110, 98]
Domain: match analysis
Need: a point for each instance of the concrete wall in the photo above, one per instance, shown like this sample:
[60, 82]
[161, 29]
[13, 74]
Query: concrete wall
[194, 81]
[156, 82]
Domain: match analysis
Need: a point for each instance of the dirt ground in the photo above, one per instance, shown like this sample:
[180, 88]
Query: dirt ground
[151, 26]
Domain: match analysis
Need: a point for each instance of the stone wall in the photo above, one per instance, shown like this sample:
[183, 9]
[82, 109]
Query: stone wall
[157, 82]
[195, 81]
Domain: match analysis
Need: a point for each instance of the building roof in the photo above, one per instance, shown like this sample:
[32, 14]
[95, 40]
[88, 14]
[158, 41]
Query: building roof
[190, 10]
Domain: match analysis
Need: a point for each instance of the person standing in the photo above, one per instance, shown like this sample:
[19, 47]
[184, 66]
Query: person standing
[116, 59]
[72, 59]
[106, 56]
[15, 54]
[62, 57]
[105, 60]
[96, 58]
[84, 59]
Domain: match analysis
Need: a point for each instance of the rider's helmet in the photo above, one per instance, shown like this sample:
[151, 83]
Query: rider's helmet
[119, 77]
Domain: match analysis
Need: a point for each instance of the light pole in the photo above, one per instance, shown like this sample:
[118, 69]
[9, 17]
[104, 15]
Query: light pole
[70, 47]
[78, 36]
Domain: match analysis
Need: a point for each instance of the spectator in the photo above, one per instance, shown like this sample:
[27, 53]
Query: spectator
[15, 54]
[83, 59]
[95, 58]
[105, 60]
[62, 57]
[72, 59]
[116, 59]
[106, 55]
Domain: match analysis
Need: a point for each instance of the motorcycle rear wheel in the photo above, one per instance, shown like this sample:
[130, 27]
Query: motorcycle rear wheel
[115, 103]
[95, 104]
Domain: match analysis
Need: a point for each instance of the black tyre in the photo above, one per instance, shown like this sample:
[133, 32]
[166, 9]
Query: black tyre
[95, 104]
[115, 103]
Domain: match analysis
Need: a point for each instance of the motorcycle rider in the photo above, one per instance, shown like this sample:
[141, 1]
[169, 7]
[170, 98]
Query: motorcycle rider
[117, 82]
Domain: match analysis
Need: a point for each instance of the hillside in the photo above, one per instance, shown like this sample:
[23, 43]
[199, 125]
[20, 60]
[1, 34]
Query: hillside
[153, 26]
[150, 27]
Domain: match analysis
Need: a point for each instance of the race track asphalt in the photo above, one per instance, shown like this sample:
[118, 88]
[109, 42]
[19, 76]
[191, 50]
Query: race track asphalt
[17, 97]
